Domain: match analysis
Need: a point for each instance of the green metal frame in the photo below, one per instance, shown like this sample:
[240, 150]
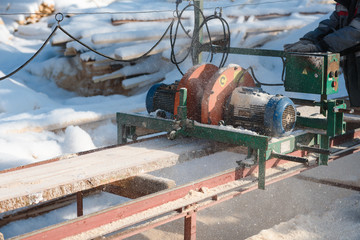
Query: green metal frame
[260, 145]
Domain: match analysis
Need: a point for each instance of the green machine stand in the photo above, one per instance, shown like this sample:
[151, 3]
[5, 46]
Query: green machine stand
[315, 73]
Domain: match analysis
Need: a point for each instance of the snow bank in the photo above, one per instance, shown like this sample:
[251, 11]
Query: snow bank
[16, 97]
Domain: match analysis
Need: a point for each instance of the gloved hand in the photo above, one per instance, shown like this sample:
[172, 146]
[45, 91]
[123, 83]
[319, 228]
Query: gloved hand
[302, 46]
[300, 42]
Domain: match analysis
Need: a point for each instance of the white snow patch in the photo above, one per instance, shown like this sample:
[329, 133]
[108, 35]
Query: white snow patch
[76, 140]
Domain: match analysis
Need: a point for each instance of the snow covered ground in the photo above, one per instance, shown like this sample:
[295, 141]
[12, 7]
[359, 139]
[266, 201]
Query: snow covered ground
[32, 106]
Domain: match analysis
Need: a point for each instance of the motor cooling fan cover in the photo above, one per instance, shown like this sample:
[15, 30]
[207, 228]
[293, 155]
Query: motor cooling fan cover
[254, 109]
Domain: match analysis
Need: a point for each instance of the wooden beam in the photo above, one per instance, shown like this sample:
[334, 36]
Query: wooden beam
[139, 186]
[44, 182]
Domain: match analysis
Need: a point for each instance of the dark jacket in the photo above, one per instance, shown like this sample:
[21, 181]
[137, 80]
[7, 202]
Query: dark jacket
[341, 31]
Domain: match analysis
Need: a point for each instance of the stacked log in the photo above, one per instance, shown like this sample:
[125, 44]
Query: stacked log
[128, 36]
[43, 11]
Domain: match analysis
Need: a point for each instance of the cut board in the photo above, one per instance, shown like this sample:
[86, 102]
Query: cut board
[52, 179]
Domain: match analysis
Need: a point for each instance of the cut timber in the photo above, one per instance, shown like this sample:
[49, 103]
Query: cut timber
[138, 50]
[149, 65]
[119, 22]
[139, 186]
[54, 179]
[143, 80]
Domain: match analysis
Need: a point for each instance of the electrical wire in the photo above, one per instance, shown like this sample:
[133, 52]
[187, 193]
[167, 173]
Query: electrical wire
[120, 60]
[261, 83]
[195, 40]
[147, 11]
[30, 59]
[59, 17]
[173, 37]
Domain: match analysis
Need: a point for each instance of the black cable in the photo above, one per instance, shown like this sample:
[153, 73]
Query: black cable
[30, 59]
[173, 36]
[83, 44]
[283, 70]
[261, 83]
[114, 59]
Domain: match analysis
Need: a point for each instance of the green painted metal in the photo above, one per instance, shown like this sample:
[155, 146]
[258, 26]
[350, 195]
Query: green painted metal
[289, 144]
[307, 73]
[125, 120]
[312, 73]
[259, 145]
[324, 142]
[318, 123]
[245, 51]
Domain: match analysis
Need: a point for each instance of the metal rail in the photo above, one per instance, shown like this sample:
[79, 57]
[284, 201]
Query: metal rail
[119, 220]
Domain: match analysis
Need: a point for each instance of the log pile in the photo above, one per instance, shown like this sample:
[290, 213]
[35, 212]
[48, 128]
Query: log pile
[43, 11]
[128, 36]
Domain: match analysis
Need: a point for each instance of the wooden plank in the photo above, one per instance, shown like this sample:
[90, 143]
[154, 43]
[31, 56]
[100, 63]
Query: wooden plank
[134, 20]
[151, 64]
[29, 186]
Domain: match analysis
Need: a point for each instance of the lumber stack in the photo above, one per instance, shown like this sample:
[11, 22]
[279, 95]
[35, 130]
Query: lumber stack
[128, 36]
[44, 10]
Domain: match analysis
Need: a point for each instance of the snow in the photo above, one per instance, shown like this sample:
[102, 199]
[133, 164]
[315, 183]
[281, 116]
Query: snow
[340, 222]
[39, 121]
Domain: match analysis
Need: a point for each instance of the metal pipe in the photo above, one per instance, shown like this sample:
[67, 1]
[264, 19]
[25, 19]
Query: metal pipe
[289, 158]
[313, 149]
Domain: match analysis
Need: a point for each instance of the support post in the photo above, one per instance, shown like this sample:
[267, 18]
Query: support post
[79, 203]
[262, 168]
[196, 55]
[324, 144]
[121, 130]
[190, 226]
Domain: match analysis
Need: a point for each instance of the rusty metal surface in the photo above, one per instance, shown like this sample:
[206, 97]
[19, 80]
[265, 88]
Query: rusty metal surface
[220, 86]
[195, 81]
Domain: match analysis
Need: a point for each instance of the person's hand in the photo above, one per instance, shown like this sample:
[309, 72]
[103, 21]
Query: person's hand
[300, 42]
[301, 46]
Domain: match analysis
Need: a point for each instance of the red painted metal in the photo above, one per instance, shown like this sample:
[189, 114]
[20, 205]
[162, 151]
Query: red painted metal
[194, 81]
[343, 138]
[220, 86]
[140, 229]
[190, 226]
[85, 223]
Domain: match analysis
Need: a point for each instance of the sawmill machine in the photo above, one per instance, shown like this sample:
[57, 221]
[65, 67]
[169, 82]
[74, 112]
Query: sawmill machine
[227, 105]
[227, 96]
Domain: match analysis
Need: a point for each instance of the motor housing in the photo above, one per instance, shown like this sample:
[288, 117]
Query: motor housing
[161, 96]
[254, 109]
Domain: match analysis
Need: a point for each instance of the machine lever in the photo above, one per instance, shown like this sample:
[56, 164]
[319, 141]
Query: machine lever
[313, 149]
[290, 158]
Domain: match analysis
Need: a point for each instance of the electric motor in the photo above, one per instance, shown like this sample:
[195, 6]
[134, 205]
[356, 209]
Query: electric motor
[254, 109]
[161, 96]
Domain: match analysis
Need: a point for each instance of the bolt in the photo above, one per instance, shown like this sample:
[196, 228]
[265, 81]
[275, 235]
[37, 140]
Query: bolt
[171, 135]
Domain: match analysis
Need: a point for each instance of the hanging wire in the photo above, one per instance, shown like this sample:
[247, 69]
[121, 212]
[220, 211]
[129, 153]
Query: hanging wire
[196, 31]
[173, 37]
[146, 11]
[30, 59]
[59, 17]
